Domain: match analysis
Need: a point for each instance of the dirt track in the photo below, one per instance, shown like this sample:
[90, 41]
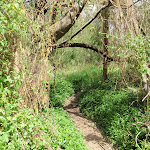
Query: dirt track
[93, 136]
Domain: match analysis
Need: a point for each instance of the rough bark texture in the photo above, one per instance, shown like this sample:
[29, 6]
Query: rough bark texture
[88, 23]
[105, 15]
[61, 27]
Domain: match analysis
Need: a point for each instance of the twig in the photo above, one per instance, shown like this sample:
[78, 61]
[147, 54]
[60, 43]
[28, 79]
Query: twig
[114, 4]
[84, 3]
[148, 94]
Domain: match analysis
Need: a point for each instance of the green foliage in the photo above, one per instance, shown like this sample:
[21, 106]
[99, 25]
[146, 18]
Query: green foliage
[138, 53]
[70, 137]
[27, 131]
[112, 106]
[68, 57]
[22, 128]
[85, 78]
[66, 85]
[114, 111]
[17, 126]
[60, 91]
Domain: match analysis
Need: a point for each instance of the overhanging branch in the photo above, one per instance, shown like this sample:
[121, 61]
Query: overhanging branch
[83, 45]
[83, 27]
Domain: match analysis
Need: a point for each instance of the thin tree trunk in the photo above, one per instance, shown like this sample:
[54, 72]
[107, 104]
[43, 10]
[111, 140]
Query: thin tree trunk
[105, 31]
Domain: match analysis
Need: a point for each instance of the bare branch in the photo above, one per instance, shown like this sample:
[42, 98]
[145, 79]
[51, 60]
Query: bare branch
[83, 5]
[124, 7]
[83, 45]
[148, 94]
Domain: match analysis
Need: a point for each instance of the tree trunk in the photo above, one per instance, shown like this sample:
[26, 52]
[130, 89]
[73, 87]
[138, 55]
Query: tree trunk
[105, 15]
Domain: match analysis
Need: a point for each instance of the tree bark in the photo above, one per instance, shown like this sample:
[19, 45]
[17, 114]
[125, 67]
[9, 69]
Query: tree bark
[60, 28]
[84, 26]
[105, 15]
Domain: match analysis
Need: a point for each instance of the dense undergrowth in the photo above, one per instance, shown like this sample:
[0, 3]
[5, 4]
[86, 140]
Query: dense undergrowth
[117, 110]
[20, 127]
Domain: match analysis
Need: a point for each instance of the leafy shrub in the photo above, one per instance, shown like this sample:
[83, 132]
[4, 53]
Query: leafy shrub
[60, 92]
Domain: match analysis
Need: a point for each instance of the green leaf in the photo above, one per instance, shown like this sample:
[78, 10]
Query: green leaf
[23, 125]
[5, 137]
[16, 5]
[2, 119]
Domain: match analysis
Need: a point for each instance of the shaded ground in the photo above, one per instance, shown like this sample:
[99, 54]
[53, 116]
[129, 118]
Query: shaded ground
[94, 138]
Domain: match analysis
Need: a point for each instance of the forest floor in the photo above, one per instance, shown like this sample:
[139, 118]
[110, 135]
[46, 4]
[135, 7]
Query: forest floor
[95, 139]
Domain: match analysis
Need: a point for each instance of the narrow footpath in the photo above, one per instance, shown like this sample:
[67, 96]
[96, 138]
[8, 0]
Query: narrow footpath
[93, 136]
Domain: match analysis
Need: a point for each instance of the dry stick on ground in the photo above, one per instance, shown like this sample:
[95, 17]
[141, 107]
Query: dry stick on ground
[137, 138]
[146, 125]
[148, 94]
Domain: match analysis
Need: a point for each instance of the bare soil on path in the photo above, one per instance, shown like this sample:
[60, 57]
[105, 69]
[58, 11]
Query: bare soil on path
[95, 139]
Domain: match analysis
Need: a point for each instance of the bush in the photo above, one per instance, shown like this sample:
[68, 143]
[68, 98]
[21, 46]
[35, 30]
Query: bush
[21, 127]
